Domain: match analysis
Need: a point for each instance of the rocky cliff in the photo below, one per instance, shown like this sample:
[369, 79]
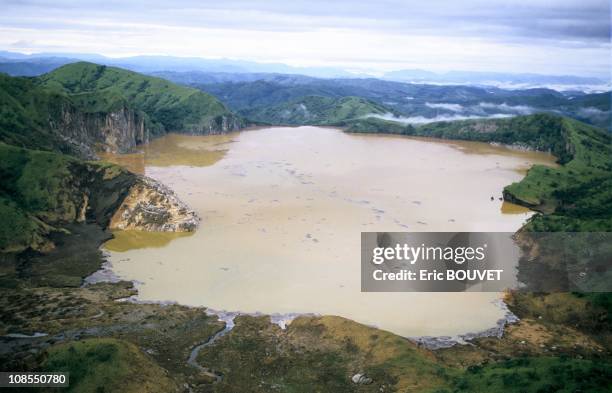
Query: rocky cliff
[118, 131]
[123, 129]
[124, 108]
[44, 193]
[217, 125]
[151, 206]
[83, 108]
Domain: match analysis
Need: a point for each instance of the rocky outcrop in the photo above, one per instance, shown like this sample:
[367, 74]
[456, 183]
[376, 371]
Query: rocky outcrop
[217, 125]
[118, 131]
[84, 193]
[121, 130]
[361, 379]
[151, 206]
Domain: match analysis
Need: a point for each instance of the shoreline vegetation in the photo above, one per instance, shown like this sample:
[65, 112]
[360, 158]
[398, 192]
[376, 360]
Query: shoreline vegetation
[50, 243]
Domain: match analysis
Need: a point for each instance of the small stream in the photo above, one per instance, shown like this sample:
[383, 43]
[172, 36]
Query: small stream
[193, 356]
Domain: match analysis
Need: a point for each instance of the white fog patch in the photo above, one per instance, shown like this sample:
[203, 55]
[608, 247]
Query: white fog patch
[517, 109]
[447, 106]
[595, 114]
[585, 88]
[425, 120]
[592, 111]
[481, 108]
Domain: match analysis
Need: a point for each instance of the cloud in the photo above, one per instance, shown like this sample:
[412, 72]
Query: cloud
[425, 120]
[441, 105]
[483, 109]
[565, 19]
[22, 44]
[505, 108]
[594, 114]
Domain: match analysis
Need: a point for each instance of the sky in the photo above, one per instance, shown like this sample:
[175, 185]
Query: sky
[541, 36]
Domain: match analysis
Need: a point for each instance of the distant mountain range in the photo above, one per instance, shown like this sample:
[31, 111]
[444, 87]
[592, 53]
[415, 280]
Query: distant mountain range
[39, 63]
[260, 97]
[18, 64]
[499, 79]
[280, 94]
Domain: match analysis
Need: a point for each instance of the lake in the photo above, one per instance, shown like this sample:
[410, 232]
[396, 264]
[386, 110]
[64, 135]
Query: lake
[282, 210]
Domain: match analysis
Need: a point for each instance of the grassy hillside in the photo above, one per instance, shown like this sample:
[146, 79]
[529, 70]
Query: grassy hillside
[319, 354]
[539, 132]
[578, 194]
[82, 107]
[98, 88]
[542, 374]
[42, 191]
[107, 365]
[25, 110]
[315, 110]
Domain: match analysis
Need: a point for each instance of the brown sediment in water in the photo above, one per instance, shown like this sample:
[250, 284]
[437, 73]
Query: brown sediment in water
[283, 208]
[132, 240]
[512, 208]
[174, 149]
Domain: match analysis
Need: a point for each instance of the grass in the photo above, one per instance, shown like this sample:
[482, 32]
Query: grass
[17, 230]
[32, 183]
[25, 110]
[590, 313]
[578, 194]
[107, 365]
[538, 375]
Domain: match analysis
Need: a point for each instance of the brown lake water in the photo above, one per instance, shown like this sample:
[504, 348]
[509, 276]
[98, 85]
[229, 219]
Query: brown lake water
[282, 211]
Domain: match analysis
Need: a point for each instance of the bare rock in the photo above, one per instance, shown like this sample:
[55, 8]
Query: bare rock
[361, 379]
[151, 206]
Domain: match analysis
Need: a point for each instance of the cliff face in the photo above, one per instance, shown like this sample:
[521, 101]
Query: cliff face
[217, 125]
[126, 108]
[46, 192]
[121, 130]
[83, 108]
[118, 131]
[151, 206]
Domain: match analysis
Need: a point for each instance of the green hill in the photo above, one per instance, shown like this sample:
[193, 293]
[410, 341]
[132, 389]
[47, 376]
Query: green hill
[315, 110]
[25, 110]
[577, 195]
[539, 132]
[107, 365]
[81, 108]
[98, 88]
